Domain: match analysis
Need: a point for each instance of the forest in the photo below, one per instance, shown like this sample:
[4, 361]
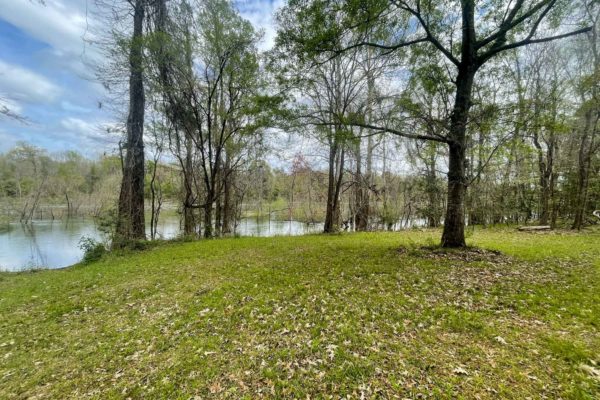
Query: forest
[409, 113]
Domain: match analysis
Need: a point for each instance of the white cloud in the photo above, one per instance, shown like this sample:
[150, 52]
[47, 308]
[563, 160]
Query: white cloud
[77, 125]
[70, 107]
[95, 131]
[57, 24]
[261, 14]
[64, 25]
[20, 84]
[7, 141]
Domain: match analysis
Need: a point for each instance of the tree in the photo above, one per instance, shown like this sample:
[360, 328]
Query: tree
[122, 40]
[131, 223]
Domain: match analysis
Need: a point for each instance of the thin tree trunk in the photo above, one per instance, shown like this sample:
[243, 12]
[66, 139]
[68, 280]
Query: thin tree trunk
[338, 188]
[362, 194]
[329, 212]
[227, 205]
[219, 207]
[208, 222]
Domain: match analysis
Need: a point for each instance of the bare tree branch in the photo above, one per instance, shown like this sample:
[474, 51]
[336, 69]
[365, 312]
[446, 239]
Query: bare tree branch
[527, 41]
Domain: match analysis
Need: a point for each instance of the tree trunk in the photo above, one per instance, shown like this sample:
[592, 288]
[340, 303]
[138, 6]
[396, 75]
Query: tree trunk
[364, 211]
[433, 217]
[218, 210]
[227, 204]
[330, 210]
[336, 170]
[362, 194]
[545, 167]
[68, 204]
[208, 223]
[189, 222]
[338, 188]
[130, 224]
[454, 222]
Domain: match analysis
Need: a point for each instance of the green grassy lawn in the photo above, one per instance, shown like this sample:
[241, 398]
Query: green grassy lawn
[348, 316]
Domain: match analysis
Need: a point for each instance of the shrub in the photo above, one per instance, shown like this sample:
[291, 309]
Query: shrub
[92, 249]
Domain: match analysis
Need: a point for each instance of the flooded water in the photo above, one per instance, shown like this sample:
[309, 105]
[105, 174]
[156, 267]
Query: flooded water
[55, 244]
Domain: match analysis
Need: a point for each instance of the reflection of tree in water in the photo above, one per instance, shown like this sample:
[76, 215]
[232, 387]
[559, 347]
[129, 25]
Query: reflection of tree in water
[69, 226]
[54, 244]
[38, 259]
[268, 227]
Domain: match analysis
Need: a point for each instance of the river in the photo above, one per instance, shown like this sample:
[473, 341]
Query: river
[55, 244]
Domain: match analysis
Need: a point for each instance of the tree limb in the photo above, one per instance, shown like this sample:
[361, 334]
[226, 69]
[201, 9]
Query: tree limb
[527, 41]
[390, 130]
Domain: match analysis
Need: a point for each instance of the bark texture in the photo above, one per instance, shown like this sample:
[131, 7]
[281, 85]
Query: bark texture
[130, 224]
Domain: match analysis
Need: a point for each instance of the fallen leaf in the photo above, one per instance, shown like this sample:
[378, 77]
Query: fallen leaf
[500, 340]
[460, 371]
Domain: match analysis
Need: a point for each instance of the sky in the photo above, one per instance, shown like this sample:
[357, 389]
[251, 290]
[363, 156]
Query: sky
[46, 74]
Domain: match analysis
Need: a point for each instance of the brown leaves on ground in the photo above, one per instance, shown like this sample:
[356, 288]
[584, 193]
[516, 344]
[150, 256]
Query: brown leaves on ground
[468, 254]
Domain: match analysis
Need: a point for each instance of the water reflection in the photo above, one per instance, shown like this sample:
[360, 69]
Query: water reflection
[55, 244]
[252, 227]
[51, 244]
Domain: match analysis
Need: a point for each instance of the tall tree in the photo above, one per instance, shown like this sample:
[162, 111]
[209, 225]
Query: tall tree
[131, 223]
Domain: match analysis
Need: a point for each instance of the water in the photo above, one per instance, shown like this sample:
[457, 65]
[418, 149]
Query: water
[55, 244]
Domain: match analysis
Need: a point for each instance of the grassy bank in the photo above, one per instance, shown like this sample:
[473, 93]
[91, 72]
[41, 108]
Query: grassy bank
[373, 315]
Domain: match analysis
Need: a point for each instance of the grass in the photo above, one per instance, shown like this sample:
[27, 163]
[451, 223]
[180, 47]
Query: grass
[347, 316]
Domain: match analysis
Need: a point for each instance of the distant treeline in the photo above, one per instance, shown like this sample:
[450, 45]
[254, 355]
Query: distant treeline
[37, 185]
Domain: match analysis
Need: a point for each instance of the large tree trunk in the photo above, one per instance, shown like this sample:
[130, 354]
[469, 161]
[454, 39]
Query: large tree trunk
[130, 224]
[454, 222]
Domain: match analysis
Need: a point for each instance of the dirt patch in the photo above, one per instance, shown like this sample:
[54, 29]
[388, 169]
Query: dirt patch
[469, 254]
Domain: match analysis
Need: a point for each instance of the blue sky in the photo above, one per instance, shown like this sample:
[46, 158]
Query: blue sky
[45, 73]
